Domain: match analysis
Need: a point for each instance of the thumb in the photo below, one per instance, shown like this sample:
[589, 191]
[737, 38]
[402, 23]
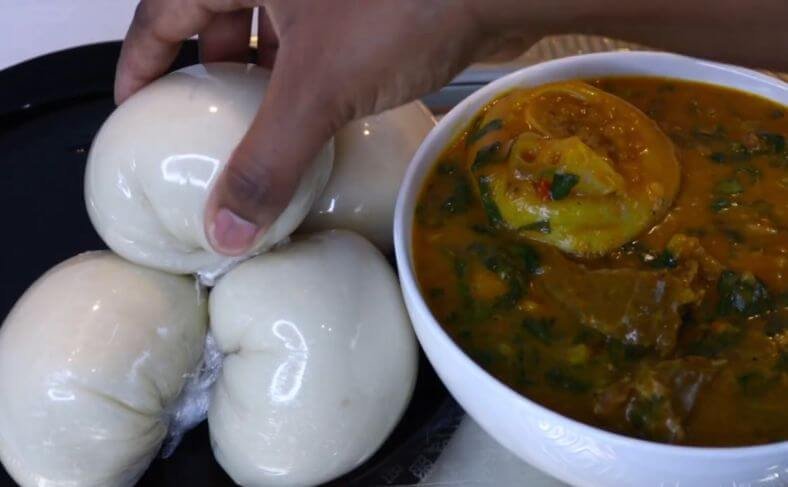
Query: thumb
[291, 127]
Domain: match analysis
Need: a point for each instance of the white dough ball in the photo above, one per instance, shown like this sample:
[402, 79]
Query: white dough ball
[90, 357]
[321, 361]
[372, 155]
[156, 158]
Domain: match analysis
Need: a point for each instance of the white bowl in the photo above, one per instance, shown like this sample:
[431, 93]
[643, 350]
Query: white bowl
[567, 449]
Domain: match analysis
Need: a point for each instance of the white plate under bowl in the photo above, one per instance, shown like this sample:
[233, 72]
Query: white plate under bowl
[569, 450]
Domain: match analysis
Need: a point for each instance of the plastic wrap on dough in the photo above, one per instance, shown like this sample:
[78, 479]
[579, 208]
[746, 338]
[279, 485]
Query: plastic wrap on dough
[191, 407]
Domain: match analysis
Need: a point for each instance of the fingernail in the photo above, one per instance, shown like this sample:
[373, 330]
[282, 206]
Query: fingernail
[231, 234]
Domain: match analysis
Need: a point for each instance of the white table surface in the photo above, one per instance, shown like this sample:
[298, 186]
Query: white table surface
[30, 28]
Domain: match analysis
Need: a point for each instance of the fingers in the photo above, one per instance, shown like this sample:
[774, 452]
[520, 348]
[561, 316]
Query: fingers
[156, 33]
[226, 38]
[265, 170]
[267, 40]
[152, 42]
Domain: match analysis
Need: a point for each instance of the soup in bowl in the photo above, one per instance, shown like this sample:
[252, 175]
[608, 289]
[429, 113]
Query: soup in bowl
[594, 254]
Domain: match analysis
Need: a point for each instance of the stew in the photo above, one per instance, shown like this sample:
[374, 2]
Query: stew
[617, 250]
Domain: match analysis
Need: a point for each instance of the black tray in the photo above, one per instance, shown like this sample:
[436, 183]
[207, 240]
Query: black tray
[50, 109]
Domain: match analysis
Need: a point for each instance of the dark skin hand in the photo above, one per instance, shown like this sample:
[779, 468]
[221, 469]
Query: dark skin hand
[337, 60]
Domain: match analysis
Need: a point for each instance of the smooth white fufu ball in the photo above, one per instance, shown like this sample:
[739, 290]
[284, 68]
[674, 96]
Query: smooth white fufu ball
[91, 357]
[155, 160]
[320, 362]
[372, 155]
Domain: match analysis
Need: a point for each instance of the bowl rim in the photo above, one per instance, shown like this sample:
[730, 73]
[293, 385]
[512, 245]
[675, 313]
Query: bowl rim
[456, 119]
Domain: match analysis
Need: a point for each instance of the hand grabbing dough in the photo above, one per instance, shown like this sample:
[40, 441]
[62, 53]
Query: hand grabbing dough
[155, 160]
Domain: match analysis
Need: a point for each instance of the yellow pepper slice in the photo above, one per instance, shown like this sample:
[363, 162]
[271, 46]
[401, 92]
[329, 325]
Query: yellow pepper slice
[572, 166]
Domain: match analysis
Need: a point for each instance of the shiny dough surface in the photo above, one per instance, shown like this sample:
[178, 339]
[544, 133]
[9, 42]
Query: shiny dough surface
[91, 357]
[155, 160]
[320, 361]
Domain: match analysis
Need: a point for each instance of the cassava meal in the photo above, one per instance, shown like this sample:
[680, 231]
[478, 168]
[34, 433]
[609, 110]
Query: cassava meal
[302, 359]
[616, 250]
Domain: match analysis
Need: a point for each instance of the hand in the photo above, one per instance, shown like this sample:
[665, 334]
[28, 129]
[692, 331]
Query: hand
[334, 61]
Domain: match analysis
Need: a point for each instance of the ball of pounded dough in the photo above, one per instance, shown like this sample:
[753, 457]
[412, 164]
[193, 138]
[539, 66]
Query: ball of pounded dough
[321, 361]
[90, 357]
[372, 155]
[156, 158]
